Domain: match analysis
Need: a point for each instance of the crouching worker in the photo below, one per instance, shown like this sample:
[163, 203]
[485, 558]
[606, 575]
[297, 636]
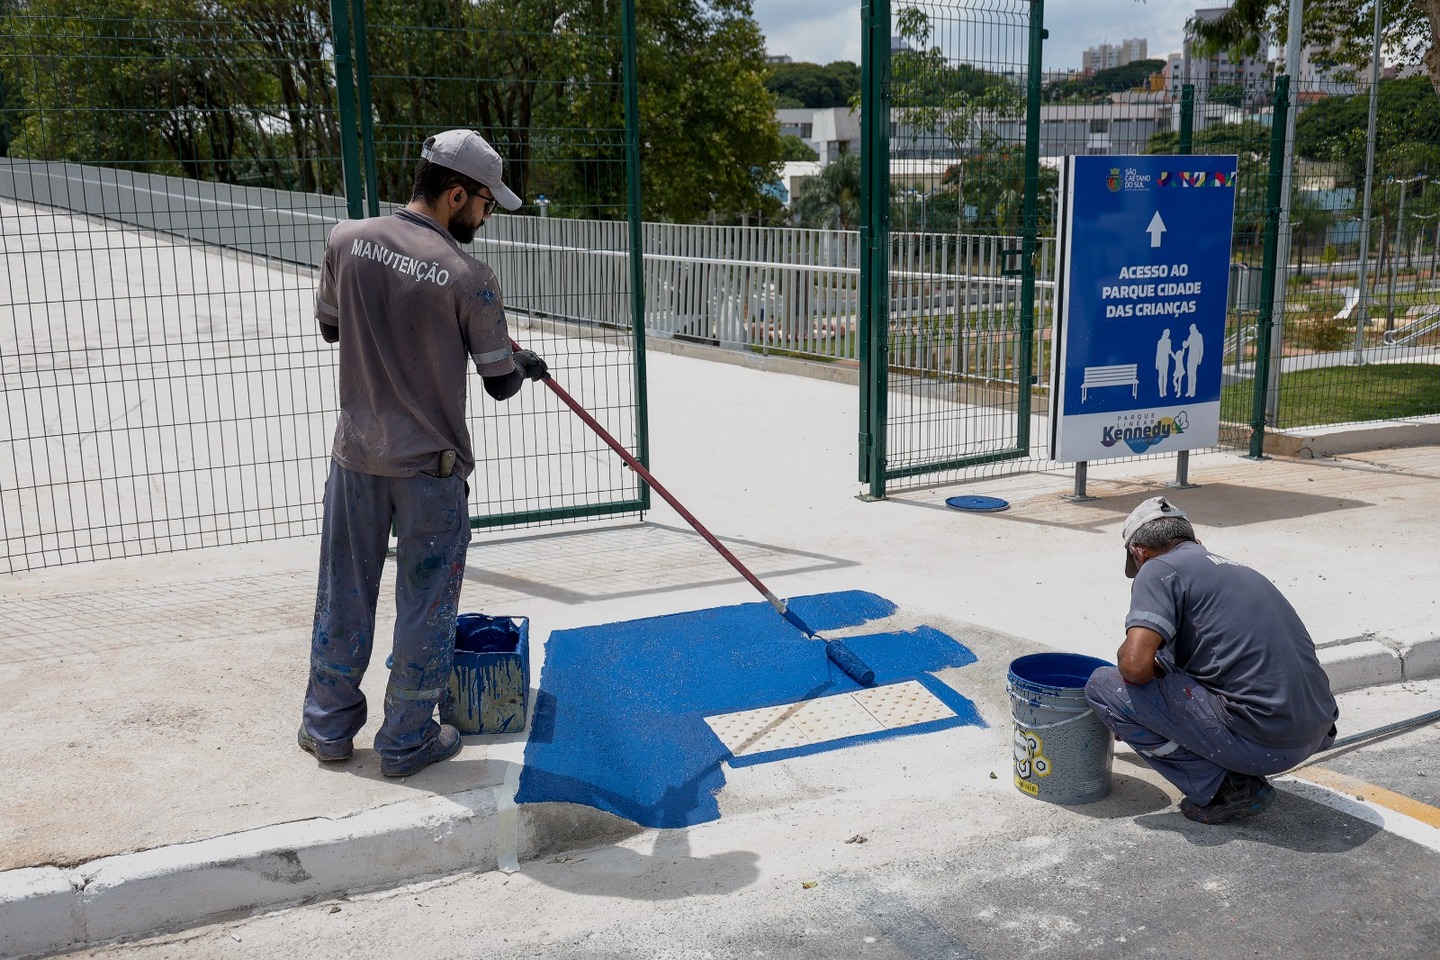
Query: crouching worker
[1218, 682]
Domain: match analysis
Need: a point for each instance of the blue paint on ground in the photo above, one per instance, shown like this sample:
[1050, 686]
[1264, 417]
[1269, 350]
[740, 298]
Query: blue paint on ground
[619, 722]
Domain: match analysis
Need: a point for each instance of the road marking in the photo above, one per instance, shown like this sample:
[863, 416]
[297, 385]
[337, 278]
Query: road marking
[1393, 812]
[1363, 790]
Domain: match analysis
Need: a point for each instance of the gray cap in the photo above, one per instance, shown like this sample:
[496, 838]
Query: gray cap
[1155, 508]
[465, 151]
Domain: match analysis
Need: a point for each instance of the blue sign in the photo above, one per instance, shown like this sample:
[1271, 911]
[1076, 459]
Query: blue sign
[1141, 300]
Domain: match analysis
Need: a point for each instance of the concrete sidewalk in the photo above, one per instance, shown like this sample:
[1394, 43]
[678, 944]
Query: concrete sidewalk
[152, 778]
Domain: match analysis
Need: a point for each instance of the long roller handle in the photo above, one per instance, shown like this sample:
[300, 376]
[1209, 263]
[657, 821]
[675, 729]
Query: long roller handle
[839, 654]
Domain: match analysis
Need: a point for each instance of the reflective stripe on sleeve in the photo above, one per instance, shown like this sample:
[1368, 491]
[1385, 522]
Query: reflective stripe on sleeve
[494, 356]
[324, 309]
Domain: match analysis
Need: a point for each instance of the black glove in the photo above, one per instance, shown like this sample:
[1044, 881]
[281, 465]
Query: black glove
[530, 364]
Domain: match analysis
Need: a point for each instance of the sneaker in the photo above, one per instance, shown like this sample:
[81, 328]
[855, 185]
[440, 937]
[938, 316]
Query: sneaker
[1240, 795]
[442, 746]
[325, 752]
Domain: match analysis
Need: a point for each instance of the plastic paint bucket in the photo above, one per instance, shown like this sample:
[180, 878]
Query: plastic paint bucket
[490, 681]
[1063, 752]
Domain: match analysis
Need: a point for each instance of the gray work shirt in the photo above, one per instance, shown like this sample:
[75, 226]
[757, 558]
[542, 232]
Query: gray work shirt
[1231, 629]
[410, 306]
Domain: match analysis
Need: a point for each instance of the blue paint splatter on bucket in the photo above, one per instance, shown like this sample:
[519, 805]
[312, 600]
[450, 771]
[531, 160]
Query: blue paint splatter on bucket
[619, 722]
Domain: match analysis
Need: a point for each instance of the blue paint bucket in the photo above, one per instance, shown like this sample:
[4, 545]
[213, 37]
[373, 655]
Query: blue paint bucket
[490, 682]
[1063, 753]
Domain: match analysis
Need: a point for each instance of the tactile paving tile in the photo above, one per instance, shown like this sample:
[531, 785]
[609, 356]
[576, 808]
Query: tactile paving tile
[830, 718]
[758, 731]
[902, 704]
[840, 715]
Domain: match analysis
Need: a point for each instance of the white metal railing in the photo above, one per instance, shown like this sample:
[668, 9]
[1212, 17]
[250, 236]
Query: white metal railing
[1414, 330]
[775, 289]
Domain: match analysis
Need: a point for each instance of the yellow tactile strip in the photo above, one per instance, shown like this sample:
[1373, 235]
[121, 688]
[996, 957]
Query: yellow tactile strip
[823, 719]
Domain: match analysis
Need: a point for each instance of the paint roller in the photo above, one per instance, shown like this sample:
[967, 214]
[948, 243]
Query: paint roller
[838, 653]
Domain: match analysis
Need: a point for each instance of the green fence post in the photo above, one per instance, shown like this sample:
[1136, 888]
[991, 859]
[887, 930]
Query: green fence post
[1030, 225]
[345, 92]
[1187, 118]
[637, 241]
[367, 118]
[874, 242]
[1266, 321]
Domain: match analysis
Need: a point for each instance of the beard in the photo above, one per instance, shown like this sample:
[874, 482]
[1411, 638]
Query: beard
[463, 231]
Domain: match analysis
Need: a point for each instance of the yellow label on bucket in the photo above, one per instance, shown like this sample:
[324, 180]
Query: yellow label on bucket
[1030, 759]
[1025, 785]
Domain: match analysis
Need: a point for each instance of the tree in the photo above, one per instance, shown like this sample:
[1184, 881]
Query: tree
[796, 149]
[813, 86]
[1410, 30]
[832, 199]
[1336, 128]
[1230, 94]
[1128, 76]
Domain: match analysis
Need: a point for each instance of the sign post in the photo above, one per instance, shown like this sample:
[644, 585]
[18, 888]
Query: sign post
[1140, 325]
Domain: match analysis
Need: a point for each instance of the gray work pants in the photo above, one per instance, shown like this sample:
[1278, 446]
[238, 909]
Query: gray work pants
[1175, 724]
[432, 527]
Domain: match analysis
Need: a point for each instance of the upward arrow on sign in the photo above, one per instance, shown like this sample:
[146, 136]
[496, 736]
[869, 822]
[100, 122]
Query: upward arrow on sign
[1156, 228]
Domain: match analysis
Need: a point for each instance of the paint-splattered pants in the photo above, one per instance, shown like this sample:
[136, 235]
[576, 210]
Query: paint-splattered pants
[1174, 724]
[432, 531]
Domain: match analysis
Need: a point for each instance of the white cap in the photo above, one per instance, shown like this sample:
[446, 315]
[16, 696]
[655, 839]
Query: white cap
[465, 151]
[1153, 509]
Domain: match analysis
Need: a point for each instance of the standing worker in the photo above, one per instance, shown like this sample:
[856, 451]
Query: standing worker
[1218, 682]
[407, 306]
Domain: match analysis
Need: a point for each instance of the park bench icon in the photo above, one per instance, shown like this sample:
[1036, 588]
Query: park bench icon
[1118, 375]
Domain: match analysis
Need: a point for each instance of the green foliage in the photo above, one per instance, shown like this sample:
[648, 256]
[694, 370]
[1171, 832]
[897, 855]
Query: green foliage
[175, 86]
[932, 96]
[1130, 76]
[1230, 94]
[793, 148]
[813, 86]
[1250, 142]
[1407, 125]
[1343, 28]
[832, 199]
[242, 91]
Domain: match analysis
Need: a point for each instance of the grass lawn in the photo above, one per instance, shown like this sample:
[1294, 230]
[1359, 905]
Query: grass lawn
[1344, 394]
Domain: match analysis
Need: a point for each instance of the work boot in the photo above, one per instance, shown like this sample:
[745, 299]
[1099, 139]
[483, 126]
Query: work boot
[442, 746]
[325, 752]
[1240, 795]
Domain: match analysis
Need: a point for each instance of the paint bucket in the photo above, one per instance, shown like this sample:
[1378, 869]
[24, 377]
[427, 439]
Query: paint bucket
[490, 682]
[1063, 752]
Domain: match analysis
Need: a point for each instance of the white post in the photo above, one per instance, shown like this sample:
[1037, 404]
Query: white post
[1282, 275]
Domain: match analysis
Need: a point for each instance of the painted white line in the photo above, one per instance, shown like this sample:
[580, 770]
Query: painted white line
[507, 821]
[823, 719]
[1391, 821]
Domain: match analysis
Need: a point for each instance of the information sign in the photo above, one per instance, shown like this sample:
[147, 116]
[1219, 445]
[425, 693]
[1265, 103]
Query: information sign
[1141, 299]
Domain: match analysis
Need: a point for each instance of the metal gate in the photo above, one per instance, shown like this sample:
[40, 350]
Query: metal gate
[951, 347]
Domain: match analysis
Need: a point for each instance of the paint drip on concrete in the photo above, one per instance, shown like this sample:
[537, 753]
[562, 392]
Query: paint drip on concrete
[619, 722]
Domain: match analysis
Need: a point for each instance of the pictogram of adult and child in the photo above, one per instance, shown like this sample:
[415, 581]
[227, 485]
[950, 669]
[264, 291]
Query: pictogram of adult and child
[1176, 368]
[1186, 361]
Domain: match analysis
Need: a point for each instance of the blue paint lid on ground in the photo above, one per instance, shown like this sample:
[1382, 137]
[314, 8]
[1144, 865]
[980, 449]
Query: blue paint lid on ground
[978, 504]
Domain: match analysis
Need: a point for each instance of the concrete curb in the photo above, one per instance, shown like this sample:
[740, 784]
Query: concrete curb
[44, 910]
[1316, 442]
[1373, 660]
[48, 909]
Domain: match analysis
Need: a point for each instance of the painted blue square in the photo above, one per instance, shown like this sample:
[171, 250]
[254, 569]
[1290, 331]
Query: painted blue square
[619, 721]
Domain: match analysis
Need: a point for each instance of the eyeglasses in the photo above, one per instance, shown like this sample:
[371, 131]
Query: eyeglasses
[490, 203]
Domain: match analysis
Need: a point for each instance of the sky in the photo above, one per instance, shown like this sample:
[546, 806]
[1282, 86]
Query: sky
[820, 31]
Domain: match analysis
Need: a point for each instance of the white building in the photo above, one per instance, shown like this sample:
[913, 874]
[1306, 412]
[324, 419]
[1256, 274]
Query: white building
[1108, 55]
[831, 132]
